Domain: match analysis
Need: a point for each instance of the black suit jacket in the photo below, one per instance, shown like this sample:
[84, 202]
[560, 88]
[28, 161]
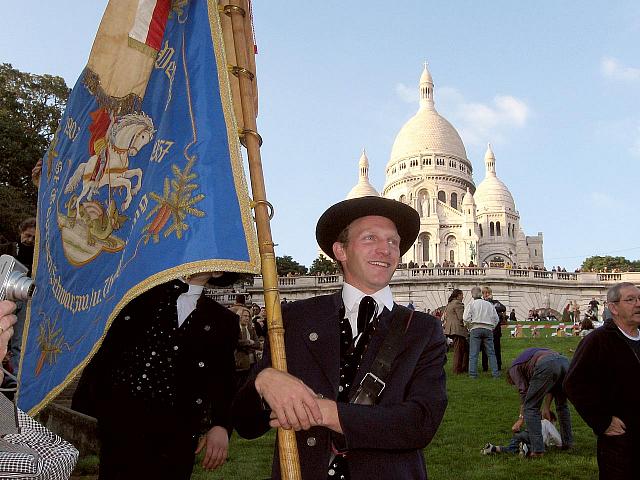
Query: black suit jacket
[385, 440]
[205, 364]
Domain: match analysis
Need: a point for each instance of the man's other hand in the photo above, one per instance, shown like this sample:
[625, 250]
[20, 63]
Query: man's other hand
[518, 425]
[36, 171]
[293, 404]
[616, 427]
[215, 444]
[7, 319]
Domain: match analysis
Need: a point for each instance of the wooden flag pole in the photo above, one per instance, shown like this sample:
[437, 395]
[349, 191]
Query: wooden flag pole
[238, 12]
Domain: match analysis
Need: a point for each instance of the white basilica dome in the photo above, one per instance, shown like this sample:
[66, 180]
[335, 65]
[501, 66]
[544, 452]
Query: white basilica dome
[427, 131]
[492, 194]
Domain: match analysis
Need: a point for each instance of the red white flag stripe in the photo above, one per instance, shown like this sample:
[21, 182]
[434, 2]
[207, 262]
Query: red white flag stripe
[150, 22]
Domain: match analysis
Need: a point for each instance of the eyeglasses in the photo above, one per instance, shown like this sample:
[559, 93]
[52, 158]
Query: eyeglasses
[630, 300]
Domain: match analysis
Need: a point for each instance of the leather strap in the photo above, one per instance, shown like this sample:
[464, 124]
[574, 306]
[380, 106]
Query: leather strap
[374, 381]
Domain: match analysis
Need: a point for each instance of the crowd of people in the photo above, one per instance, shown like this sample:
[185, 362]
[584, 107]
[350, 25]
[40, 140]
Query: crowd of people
[475, 328]
[430, 265]
[595, 380]
[253, 331]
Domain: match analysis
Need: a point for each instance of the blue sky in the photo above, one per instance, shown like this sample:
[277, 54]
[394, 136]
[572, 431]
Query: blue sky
[552, 85]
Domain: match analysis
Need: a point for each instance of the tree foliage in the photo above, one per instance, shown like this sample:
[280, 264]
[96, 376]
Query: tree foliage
[323, 266]
[287, 265]
[30, 109]
[609, 264]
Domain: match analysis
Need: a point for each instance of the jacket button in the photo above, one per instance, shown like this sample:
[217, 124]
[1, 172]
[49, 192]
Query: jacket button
[313, 336]
[207, 328]
[201, 364]
[199, 401]
[311, 441]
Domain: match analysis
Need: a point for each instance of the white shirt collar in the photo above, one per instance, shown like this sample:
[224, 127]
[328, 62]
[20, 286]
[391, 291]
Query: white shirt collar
[194, 290]
[187, 302]
[636, 338]
[351, 297]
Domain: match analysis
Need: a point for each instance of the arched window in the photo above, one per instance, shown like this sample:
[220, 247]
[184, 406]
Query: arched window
[424, 240]
[442, 196]
[454, 200]
[451, 241]
[480, 231]
[403, 199]
[535, 252]
[451, 245]
[498, 229]
[469, 232]
[508, 229]
[491, 229]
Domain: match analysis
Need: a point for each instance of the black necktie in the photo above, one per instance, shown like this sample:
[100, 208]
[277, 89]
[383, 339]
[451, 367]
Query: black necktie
[350, 357]
[366, 312]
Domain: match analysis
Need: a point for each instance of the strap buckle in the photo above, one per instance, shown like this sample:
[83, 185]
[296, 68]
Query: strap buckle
[374, 384]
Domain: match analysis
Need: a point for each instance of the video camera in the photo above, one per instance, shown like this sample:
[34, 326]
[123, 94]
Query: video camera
[14, 282]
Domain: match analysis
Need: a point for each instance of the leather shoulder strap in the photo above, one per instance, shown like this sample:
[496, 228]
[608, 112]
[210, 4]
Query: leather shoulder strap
[374, 382]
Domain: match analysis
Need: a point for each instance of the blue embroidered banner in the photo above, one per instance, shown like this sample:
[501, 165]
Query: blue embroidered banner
[142, 183]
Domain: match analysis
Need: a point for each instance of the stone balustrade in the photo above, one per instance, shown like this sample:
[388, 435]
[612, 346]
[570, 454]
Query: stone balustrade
[416, 274]
[429, 288]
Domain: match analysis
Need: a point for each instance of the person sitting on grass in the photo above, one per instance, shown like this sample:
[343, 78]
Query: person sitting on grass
[520, 442]
[586, 326]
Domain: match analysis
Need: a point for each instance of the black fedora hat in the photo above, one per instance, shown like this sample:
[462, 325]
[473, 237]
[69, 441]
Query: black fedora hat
[340, 215]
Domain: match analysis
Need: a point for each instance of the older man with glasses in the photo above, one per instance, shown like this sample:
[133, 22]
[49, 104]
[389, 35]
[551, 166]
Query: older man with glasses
[602, 383]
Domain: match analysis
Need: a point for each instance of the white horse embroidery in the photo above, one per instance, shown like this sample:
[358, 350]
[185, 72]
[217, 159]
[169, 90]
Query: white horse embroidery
[124, 138]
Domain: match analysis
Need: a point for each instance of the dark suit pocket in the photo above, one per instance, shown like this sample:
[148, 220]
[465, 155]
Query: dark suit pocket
[616, 456]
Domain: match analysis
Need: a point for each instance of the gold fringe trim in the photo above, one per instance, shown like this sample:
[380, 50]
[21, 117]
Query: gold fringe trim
[232, 135]
[131, 103]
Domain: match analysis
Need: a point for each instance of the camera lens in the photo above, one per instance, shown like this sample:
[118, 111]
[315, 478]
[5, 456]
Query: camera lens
[19, 287]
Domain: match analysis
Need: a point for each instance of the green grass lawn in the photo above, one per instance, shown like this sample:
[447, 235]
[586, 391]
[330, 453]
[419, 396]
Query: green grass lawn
[479, 411]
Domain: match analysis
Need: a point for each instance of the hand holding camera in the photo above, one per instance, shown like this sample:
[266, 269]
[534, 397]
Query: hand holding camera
[14, 282]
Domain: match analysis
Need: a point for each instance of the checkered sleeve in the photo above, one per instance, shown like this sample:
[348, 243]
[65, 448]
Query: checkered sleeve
[55, 457]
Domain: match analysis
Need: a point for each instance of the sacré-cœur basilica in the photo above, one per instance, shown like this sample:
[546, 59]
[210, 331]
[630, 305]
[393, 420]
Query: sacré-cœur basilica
[469, 235]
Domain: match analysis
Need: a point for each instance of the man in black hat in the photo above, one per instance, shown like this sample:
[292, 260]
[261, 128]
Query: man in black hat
[331, 344]
[162, 382]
